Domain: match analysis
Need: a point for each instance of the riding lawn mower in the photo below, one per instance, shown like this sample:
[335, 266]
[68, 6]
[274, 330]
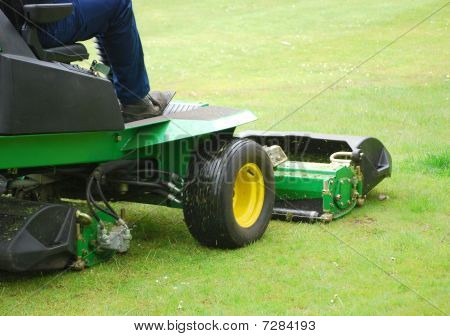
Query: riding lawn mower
[63, 138]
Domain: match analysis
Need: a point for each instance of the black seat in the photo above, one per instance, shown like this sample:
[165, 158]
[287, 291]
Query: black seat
[38, 14]
[40, 97]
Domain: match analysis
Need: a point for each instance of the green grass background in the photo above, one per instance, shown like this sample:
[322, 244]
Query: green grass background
[270, 56]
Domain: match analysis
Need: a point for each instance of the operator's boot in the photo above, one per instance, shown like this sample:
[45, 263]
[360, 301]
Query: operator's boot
[152, 105]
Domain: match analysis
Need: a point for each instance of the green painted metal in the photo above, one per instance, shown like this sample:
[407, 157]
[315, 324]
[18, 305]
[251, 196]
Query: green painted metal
[339, 186]
[88, 252]
[26, 151]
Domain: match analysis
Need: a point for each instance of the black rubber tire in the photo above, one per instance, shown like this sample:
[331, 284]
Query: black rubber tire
[208, 197]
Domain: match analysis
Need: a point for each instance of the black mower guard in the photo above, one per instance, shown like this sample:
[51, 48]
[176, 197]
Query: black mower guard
[36, 236]
[367, 152]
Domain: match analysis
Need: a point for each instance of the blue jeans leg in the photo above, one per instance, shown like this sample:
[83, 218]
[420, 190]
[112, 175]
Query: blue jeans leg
[113, 23]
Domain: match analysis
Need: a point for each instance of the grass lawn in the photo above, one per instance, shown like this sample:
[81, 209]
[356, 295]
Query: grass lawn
[270, 56]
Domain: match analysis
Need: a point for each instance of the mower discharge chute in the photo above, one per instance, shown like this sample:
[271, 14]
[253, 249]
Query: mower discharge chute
[62, 137]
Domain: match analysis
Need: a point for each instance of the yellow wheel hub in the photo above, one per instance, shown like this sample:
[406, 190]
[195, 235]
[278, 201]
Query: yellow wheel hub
[248, 199]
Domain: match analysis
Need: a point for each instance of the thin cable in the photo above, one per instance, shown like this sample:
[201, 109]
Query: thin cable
[88, 199]
[105, 201]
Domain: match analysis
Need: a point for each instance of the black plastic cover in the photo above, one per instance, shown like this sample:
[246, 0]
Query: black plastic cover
[369, 153]
[36, 236]
[10, 40]
[48, 13]
[38, 97]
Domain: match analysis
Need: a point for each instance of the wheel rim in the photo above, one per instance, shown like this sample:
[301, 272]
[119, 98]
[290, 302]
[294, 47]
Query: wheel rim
[248, 198]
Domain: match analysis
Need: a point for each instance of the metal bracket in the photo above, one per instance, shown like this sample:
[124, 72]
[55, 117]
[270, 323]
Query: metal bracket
[117, 239]
[276, 155]
[344, 158]
[98, 67]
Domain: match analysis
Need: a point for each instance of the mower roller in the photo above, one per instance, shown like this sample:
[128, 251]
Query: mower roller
[62, 137]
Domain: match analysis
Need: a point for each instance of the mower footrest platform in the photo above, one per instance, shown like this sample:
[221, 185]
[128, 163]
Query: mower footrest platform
[177, 107]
